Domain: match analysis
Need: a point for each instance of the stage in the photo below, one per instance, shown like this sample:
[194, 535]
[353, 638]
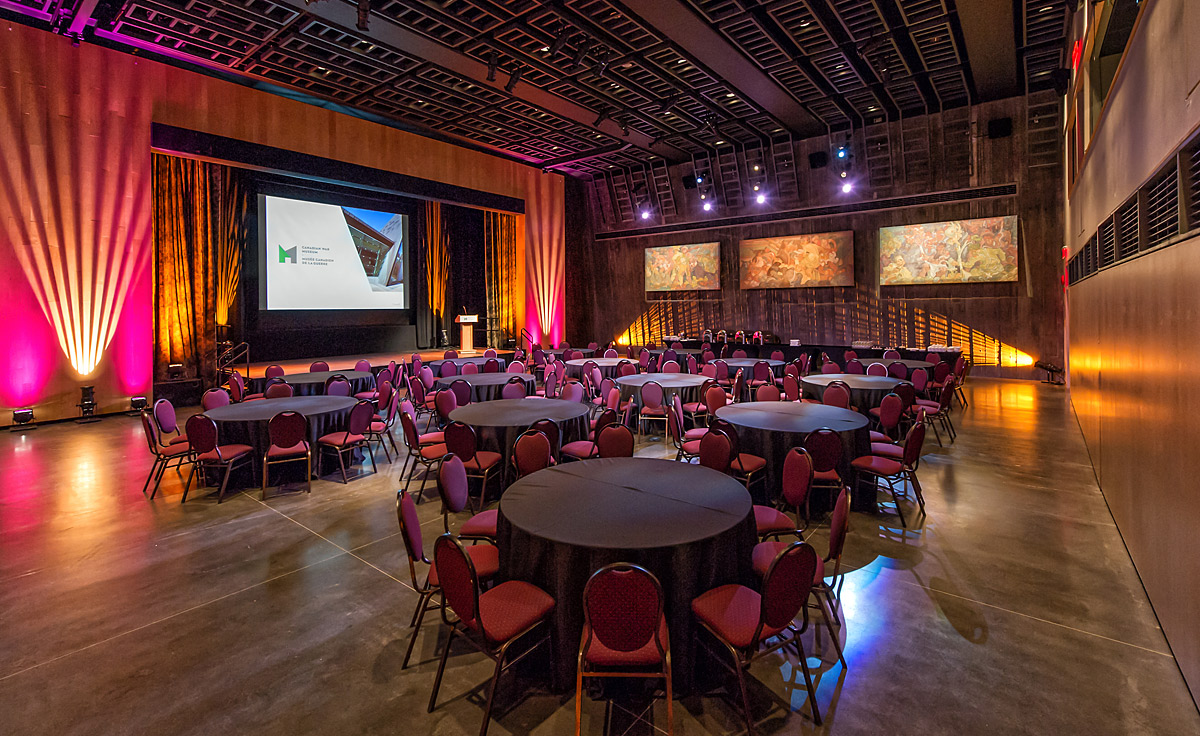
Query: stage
[346, 362]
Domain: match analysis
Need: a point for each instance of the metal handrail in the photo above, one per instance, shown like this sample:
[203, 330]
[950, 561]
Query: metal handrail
[231, 356]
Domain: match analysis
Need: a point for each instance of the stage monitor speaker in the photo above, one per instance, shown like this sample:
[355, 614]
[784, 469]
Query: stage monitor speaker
[818, 160]
[999, 128]
[689, 182]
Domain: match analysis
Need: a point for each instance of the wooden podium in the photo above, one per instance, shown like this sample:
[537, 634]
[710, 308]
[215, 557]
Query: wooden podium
[466, 324]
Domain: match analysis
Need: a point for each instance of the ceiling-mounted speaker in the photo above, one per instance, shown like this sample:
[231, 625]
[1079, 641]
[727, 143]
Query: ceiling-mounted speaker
[818, 160]
[1061, 79]
[999, 128]
[689, 182]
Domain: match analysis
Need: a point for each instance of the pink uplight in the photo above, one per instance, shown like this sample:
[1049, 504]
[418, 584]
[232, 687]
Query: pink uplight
[30, 347]
[131, 348]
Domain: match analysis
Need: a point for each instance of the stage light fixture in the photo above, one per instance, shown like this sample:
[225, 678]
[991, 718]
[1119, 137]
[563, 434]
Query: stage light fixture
[137, 403]
[515, 78]
[174, 371]
[761, 199]
[604, 115]
[844, 174]
[847, 188]
[756, 187]
[22, 419]
[645, 214]
[581, 52]
[493, 62]
[559, 41]
[708, 206]
[699, 179]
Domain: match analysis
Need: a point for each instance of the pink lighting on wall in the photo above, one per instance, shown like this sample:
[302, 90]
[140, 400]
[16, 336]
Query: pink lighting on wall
[545, 265]
[29, 354]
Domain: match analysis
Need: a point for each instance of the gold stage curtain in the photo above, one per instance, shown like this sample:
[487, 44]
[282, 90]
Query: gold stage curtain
[500, 273]
[199, 237]
[434, 254]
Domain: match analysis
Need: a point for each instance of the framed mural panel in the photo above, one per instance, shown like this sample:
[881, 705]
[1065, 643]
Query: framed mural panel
[695, 267]
[958, 251]
[797, 261]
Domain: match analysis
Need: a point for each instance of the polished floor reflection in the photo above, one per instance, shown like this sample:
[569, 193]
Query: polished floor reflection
[1014, 608]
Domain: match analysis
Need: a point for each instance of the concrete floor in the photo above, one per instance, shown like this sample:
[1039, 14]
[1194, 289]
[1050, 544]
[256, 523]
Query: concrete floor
[1014, 609]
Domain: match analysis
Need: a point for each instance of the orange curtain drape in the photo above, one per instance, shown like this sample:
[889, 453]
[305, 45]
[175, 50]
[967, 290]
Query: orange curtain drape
[434, 255]
[500, 273]
[199, 236]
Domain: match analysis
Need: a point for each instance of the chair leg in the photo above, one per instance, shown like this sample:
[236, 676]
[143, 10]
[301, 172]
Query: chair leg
[931, 423]
[188, 485]
[415, 624]
[437, 681]
[833, 634]
[579, 697]
[308, 471]
[264, 479]
[896, 501]
[342, 465]
[487, 710]
[670, 695]
[374, 467]
[916, 484]
[812, 692]
[741, 680]
[153, 474]
[224, 482]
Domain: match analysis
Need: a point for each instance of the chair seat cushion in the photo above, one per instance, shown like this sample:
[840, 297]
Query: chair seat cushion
[645, 656]
[691, 447]
[888, 450]
[367, 395]
[695, 407]
[431, 438]
[378, 427]
[297, 449]
[879, 437]
[511, 607]
[768, 519]
[340, 439]
[653, 411]
[746, 463]
[486, 558]
[580, 449]
[874, 411]
[175, 450]
[827, 476]
[810, 401]
[253, 397]
[877, 465]
[732, 611]
[482, 524]
[483, 460]
[227, 453]
[931, 405]
[695, 434]
[765, 553]
[432, 452]
[176, 440]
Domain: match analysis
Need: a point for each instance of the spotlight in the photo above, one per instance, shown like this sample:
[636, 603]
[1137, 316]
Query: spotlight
[708, 206]
[602, 64]
[364, 15]
[756, 187]
[87, 405]
[844, 174]
[493, 64]
[174, 371]
[559, 41]
[22, 419]
[515, 78]
[137, 404]
[604, 115]
[841, 152]
[702, 196]
[847, 188]
[645, 214]
[581, 52]
[756, 167]
[761, 199]
[699, 179]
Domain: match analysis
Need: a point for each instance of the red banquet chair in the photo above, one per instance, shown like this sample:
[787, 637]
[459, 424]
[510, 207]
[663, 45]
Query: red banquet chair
[288, 432]
[887, 416]
[490, 353]
[549, 428]
[741, 464]
[318, 366]
[485, 556]
[741, 619]
[932, 413]
[450, 355]
[491, 365]
[515, 367]
[589, 448]
[532, 452]
[824, 446]
[513, 389]
[448, 369]
[492, 621]
[830, 368]
[615, 440]
[363, 366]
[164, 455]
[337, 386]
[213, 398]
[280, 390]
[349, 439]
[456, 497]
[274, 371]
[771, 521]
[470, 369]
[891, 354]
[836, 394]
[462, 442]
[623, 628]
[855, 367]
[462, 391]
[653, 408]
[167, 423]
[762, 375]
[427, 454]
[895, 471]
[877, 369]
[202, 435]
[768, 392]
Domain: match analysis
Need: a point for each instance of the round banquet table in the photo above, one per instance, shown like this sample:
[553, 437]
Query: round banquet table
[487, 386]
[678, 351]
[912, 365]
[690, 526]
[246, 424]
[313, 384]
[748, 365]
[770, 429]
[560, 352]
[608, 366]
[436, 365]
[866, 392]
[672, 383]
[499, 423]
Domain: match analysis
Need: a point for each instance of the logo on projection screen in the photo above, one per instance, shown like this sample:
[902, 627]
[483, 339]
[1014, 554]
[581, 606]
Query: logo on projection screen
[287, 256]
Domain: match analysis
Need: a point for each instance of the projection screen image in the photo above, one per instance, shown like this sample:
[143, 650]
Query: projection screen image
[798, 261]
[694, 267]
[323, 256]
[949, 252]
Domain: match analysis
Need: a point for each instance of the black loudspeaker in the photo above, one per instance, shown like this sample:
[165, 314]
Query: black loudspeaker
[818, 160]
[1000, 128]
[689, 182]
[1061, 79]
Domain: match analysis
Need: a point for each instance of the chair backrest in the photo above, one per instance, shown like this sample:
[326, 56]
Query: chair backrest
[644, 358]
[460, 440]
[339, 386]
[932, 357]
[914, 441]
[714, 398]
[164, 416]
[426, 376]
[572, 392]
[150, 432]
[941, 371]
[281, 390]
[539, 356]
[830, 368]
[767, 392]
[709, 370]
[622, 607]
[670, 354]
[890, 410]
[791, 387]
[786, 586]
[877, 369]
[237, 389]
[593, 346]
[447, 369]
[824, 446]
[601, 384]
[287, 429]
[444, 402]
[470, 369]
[836, 394]
[452, 484]
[906, 392]
[360, 417]
[550, 383]
[625, 368]
[615, 440]
[797, 476]
[491, 365]
[776, 355]
[450, 355]
[514, 389]
[762, 371]
[416, 390]
[612, 399]
[274, 371]
[564, 345]
[739, 353]
[715, 450]
[385, 390]
[410, 532]
[362, 365]
[462, 392]
[946, 394]
[804, 363]
[693, 365]
[791, 369]
[460, 584]
[531, 452]
[708, 356]
[515, 367]
[891, 354]
[897, 369]
[414, 363]
[318, 366]
[213, 398]
[610, 353]
[409, 427]
[739, 384]
[202, 433]
[839, 525]
[671, 366]
[855, 367]
[652, 395]
[850, 355]
[490, 353]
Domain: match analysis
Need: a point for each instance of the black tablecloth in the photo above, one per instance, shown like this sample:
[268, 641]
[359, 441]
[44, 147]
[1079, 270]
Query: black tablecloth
[246, 424]
[436, 365]
[770, 429]
[747, 366]
[910, 364]
[499, 423]
[487, 386]
[608, 366]
[313, 384]
[690, 526]
[687, 386]
[866, 392]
